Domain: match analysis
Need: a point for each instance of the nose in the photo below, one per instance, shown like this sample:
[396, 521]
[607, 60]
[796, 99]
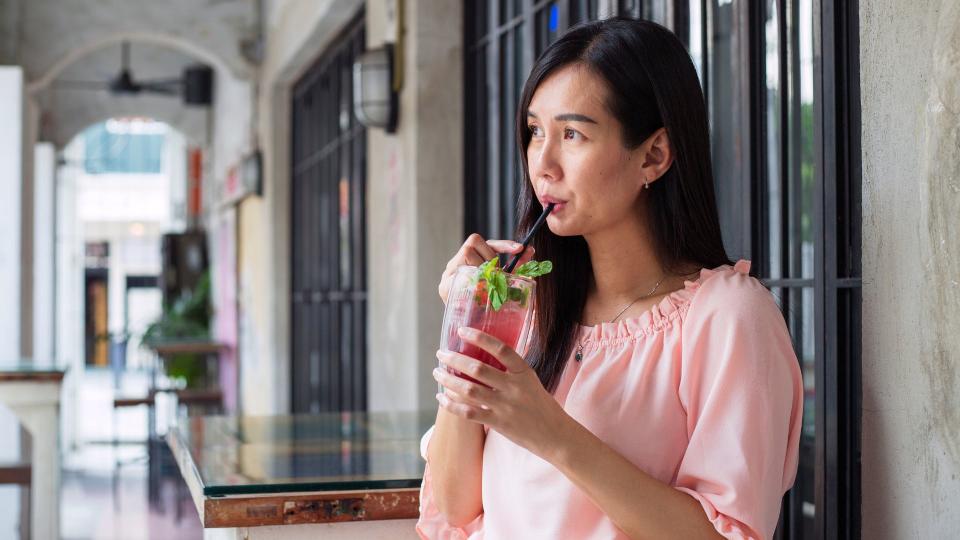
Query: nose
[544, 161]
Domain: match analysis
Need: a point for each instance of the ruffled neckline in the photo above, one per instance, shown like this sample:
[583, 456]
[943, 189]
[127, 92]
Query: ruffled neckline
[659, 315]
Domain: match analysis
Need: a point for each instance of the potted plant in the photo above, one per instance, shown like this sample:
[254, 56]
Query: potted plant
[185, 319]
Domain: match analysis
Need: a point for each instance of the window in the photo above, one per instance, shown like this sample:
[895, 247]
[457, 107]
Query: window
[781, 79]
[328, 296]
[781, 84]
[127, 145]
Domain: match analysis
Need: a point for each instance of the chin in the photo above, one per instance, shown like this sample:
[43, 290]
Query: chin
[560, 228]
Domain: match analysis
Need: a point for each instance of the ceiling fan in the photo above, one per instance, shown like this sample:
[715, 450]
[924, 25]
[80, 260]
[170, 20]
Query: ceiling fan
[195, 85]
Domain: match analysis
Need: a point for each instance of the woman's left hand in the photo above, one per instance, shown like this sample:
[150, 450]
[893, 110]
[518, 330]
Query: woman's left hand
[513, 402]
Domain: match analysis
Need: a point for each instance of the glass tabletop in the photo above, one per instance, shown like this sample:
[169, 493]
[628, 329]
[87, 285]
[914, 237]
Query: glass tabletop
[295, 453]
[29, 370]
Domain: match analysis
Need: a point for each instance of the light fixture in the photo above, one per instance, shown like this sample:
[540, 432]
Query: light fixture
[374, 97]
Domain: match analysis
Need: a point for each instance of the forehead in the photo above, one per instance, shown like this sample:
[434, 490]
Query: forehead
[571, 89]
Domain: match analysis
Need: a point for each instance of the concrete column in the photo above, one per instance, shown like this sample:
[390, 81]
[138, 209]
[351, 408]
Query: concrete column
[11, 182]
[415, 208]
[910, 97]
[69, 322]
[30, 126]
[43, 255]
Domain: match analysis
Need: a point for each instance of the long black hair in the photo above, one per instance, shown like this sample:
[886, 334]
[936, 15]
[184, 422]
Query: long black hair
[651, 83]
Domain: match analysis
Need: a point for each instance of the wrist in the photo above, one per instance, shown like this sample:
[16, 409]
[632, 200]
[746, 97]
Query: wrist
[562, 440]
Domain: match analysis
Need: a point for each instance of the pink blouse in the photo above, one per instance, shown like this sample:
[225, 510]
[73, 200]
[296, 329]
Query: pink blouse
[703, 392]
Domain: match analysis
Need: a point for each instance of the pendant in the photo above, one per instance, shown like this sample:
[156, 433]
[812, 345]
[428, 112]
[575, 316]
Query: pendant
[579, 356]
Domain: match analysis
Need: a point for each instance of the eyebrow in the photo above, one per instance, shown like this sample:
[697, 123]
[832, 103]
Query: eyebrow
[568, 117]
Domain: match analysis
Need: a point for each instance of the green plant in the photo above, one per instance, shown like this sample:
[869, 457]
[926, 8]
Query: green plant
[493, 279]
[186, 318]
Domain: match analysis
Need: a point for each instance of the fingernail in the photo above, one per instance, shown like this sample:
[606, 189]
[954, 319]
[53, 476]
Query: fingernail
[466, 331]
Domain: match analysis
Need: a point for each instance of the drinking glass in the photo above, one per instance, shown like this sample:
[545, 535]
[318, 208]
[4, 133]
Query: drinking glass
[469, 304]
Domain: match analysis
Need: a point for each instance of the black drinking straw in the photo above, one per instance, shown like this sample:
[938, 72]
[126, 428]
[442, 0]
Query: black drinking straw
[526, 240]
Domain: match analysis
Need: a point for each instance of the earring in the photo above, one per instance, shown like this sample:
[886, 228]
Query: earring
[646, 184]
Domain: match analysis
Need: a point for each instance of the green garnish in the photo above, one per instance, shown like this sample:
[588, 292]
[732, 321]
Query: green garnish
[532, 269]
[498, 290]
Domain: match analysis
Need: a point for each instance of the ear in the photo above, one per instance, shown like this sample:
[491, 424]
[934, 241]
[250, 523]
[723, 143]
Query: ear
[656, 155]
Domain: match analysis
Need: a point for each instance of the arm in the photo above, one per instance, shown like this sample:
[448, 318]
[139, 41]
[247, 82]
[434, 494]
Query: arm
[741, 388]
[455, 455]
[637, 503]
[455, 450]
[640, 505]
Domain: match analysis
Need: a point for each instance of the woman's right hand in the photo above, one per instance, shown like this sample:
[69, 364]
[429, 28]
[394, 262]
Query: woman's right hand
[476, 251]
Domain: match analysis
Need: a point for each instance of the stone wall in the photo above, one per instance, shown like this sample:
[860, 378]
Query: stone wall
[910, 88]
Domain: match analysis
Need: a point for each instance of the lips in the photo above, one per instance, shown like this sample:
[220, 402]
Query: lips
[558, 203]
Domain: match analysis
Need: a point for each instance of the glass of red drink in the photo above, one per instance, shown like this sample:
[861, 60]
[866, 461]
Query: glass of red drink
[469, 303]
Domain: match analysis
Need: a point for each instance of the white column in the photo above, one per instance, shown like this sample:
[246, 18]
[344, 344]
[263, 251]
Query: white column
[37, 406]
[11, 173]
[69, 348]
[43, 255]
[413, 228]
[11, 183]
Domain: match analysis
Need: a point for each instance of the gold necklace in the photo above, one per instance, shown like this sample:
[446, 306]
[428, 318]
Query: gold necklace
[579, 355]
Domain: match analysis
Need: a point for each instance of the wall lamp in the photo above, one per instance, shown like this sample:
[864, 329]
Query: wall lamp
[374, 94]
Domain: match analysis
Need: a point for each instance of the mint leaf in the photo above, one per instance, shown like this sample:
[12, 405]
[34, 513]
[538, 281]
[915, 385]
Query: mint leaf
[488, 268]
[525, 268]
[534, 269]
[500, 287]
[496, 300]
[496, 285]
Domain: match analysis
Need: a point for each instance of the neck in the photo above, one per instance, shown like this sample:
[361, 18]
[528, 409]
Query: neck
[624, 262]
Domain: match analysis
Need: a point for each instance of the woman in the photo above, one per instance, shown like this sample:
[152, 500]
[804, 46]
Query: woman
[660, 396]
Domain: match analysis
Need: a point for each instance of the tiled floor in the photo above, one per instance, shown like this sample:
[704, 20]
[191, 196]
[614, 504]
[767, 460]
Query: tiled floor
[96, 504]
[93, 510]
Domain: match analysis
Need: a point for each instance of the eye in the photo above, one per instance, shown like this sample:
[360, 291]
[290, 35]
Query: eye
[534, 130]
[571, 134]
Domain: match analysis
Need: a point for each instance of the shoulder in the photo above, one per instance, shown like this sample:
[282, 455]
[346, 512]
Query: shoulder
[729, 296]
[733, 324]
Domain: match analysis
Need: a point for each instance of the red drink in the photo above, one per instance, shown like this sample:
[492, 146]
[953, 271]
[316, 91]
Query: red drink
[469, 304]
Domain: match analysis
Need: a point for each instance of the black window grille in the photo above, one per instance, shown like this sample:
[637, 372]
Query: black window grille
[328, 266]
[781, 83]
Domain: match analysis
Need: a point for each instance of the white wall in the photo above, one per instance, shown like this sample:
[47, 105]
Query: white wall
[123, 198]
[232, 134]
[910, 92]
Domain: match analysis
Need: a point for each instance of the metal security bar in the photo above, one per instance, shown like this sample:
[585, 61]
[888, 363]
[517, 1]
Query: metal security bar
[328, 296]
